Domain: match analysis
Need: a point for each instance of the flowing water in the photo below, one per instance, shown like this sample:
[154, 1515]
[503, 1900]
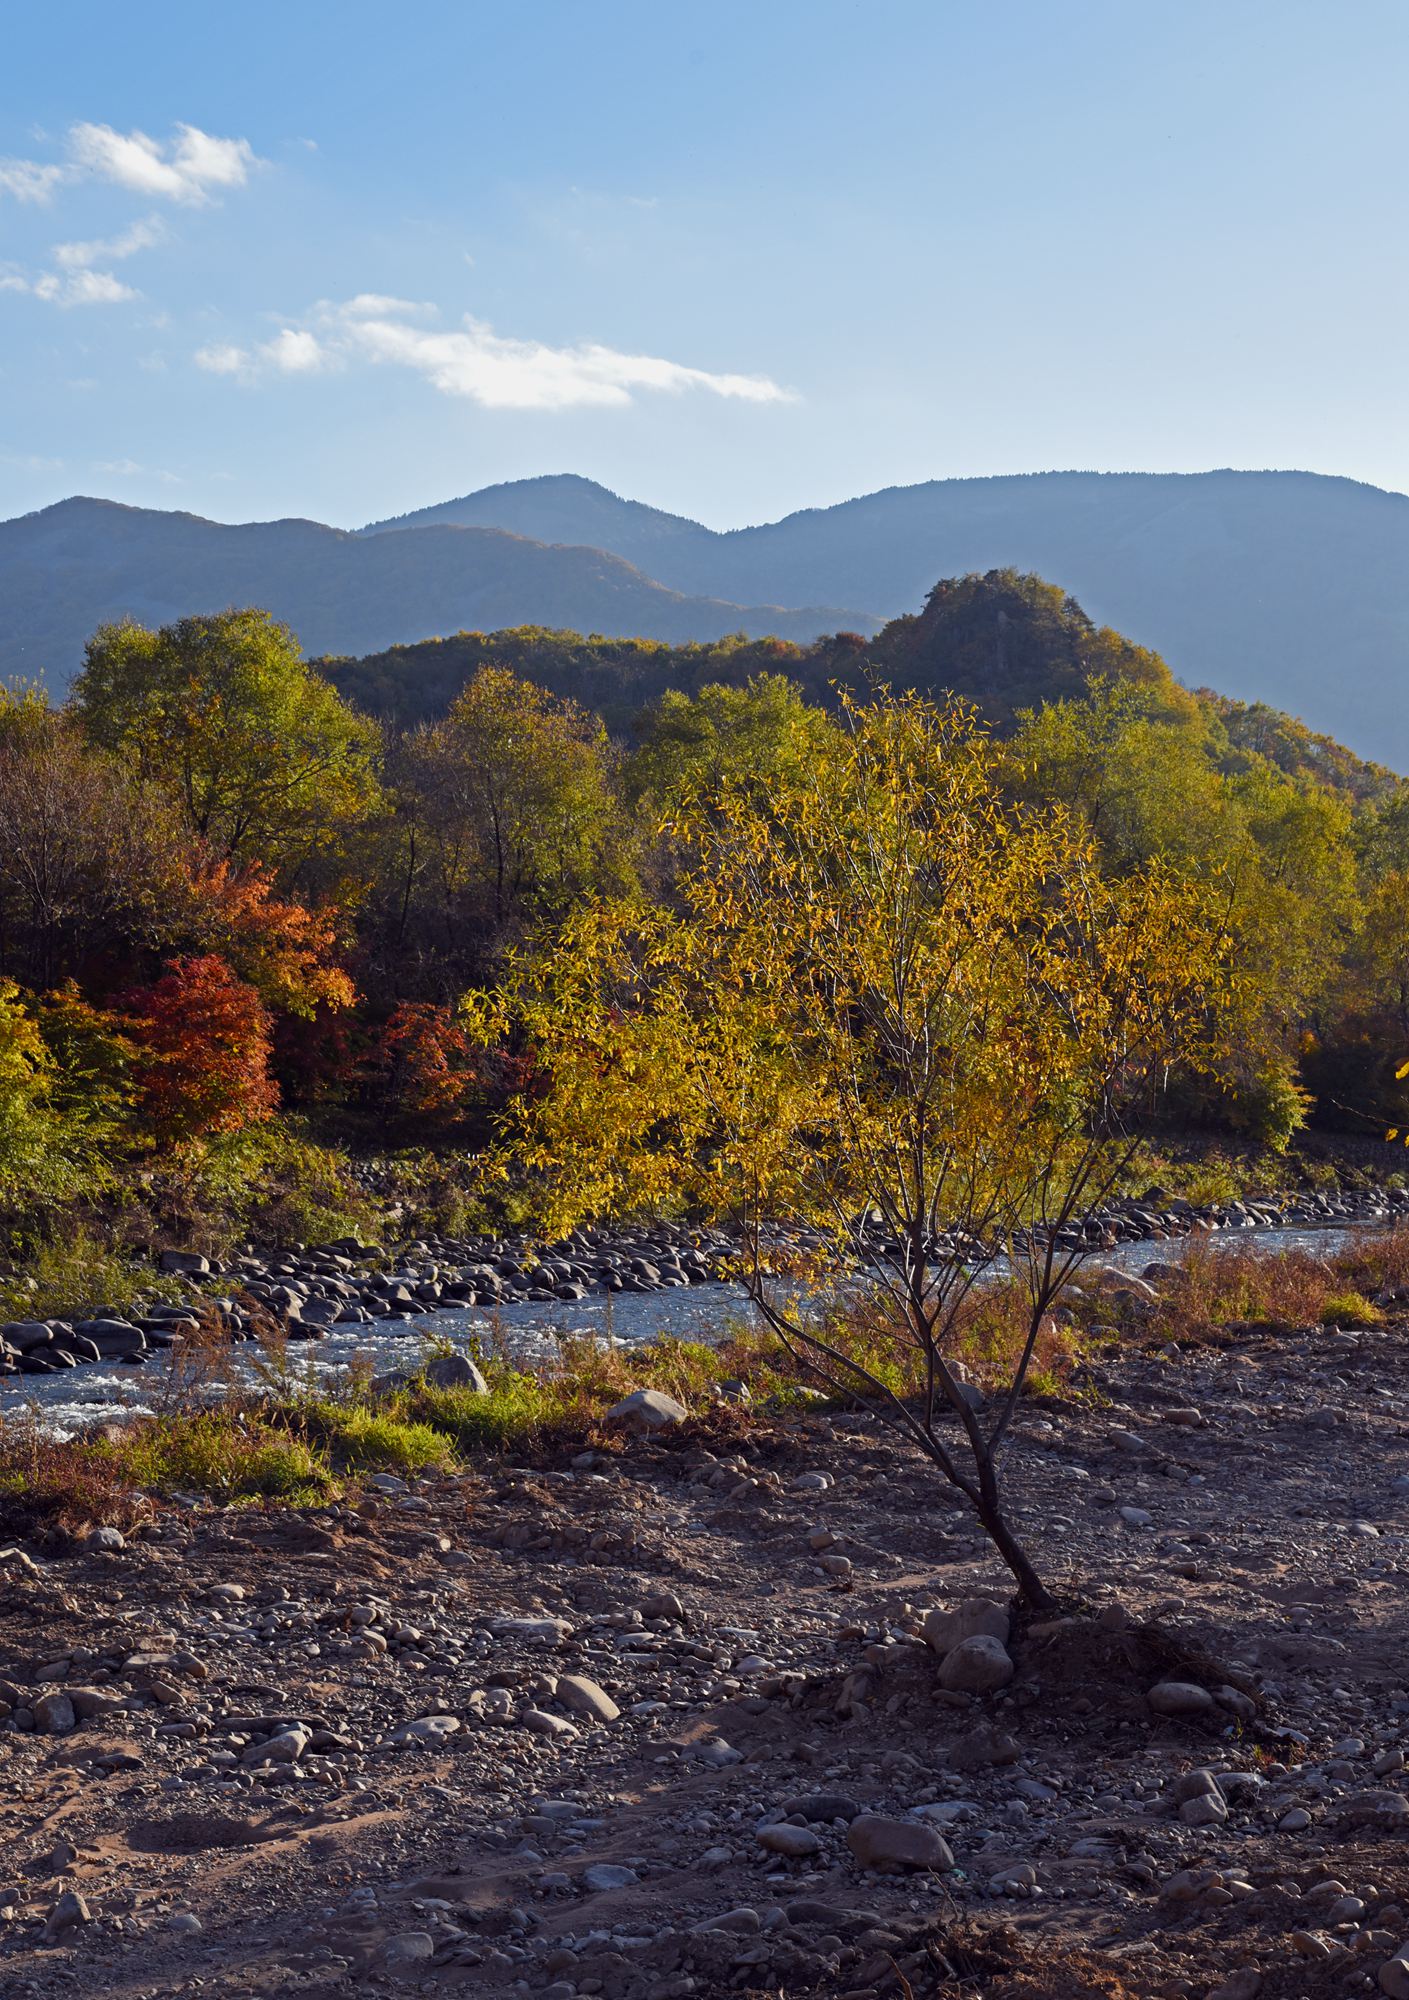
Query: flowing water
[64, 1403]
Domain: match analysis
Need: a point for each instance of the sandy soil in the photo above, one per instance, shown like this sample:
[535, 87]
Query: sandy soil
[231, 1814]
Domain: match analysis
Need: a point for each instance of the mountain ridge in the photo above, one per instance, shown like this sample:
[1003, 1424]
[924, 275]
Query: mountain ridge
[81, 562]
[1285, 588]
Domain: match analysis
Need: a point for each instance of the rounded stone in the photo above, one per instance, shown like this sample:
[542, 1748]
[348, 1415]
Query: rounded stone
[890, 1845]
[1179, 1698]
[793, 1841]
[976, 1666]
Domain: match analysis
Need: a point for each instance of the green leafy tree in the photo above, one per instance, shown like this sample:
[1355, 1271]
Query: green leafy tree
[267, 762]
[506, 814]
[759, 732]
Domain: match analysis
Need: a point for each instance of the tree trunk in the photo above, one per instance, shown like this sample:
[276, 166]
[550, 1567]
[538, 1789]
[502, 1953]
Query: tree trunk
[1032, 1590]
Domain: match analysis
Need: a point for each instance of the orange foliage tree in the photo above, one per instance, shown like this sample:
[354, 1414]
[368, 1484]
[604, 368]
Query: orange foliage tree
[203, 1039]
[286, 951]
[424, 1064]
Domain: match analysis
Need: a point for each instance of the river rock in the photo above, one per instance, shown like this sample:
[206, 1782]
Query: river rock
[976, 1617]
[893, 1844]
[793, 1841]
[981, 1748]
[67, 1914]
[583, 1697]
[823, 1806]
[1179, 1698]
[645, 1411]
[53, 1714]
[603, 1876]
[429, 1729]
[183, 1264]
[976, 1665]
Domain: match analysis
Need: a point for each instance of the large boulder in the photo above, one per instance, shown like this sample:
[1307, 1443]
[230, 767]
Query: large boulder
[890, 1845]
[184, 1264]
[975, 1617]
[977, 1665]
[1179, 1698]
[455, 1371]
[645, 1411]
[26, 1334]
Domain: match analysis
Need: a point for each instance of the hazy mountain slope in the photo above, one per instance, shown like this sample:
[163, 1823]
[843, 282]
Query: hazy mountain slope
[1285, 587]
[66, 569]
[563, 507]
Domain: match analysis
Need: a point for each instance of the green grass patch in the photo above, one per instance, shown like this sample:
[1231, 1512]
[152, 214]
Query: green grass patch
[362, 1437]
[74, 1272]
[1349, 1309]
[228, 1456]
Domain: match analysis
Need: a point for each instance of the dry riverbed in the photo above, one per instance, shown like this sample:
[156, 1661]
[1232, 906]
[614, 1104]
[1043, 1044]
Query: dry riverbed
[661, 1721]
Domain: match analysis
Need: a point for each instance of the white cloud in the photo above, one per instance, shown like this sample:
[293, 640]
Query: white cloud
[77, 288]
[378, 305]
[141, 236]
[183, 169]
[129, 468]
[294, 352]
[479, 365]
[28, 180]
[500, 373]
[475, 363]
[223, 359]
[95, 288]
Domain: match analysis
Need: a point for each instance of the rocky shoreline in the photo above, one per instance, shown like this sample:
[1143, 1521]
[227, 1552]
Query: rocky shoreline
[305, 1291]
[680, 1718]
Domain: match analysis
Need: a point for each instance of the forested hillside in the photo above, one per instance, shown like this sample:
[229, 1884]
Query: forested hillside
[1004, 642]
[1277, 587]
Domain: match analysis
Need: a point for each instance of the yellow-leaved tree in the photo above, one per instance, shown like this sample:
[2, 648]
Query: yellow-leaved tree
[881, 986]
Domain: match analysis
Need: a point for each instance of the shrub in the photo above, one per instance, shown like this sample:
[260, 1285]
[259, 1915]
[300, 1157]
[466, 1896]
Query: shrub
[1349, 1309]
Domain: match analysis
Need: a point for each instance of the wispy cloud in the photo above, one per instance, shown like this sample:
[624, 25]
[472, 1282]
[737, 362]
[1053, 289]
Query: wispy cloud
[109, 250]
[80, 287]
[130, 468]
[186, 168]
[221, 358]
[191, 166]
[478, 365]
[29, 180]
[293, 351]
[377, 305]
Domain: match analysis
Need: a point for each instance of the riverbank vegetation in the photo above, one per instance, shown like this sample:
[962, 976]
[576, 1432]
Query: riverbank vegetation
[242, 898]
[292, 1439]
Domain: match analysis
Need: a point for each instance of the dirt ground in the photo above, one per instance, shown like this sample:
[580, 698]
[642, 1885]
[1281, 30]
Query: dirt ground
[228, 1805]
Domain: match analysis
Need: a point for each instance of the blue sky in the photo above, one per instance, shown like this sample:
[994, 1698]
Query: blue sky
[345, 259]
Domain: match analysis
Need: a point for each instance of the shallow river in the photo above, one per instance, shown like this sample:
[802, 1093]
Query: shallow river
[530, 1332]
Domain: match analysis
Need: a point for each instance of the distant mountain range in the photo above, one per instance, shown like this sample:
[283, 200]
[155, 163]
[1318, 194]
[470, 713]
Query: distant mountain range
[72, 566]
[1285, 587]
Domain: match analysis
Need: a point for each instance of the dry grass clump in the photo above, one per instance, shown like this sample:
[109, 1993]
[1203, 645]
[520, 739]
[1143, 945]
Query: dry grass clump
[1220, 1285]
